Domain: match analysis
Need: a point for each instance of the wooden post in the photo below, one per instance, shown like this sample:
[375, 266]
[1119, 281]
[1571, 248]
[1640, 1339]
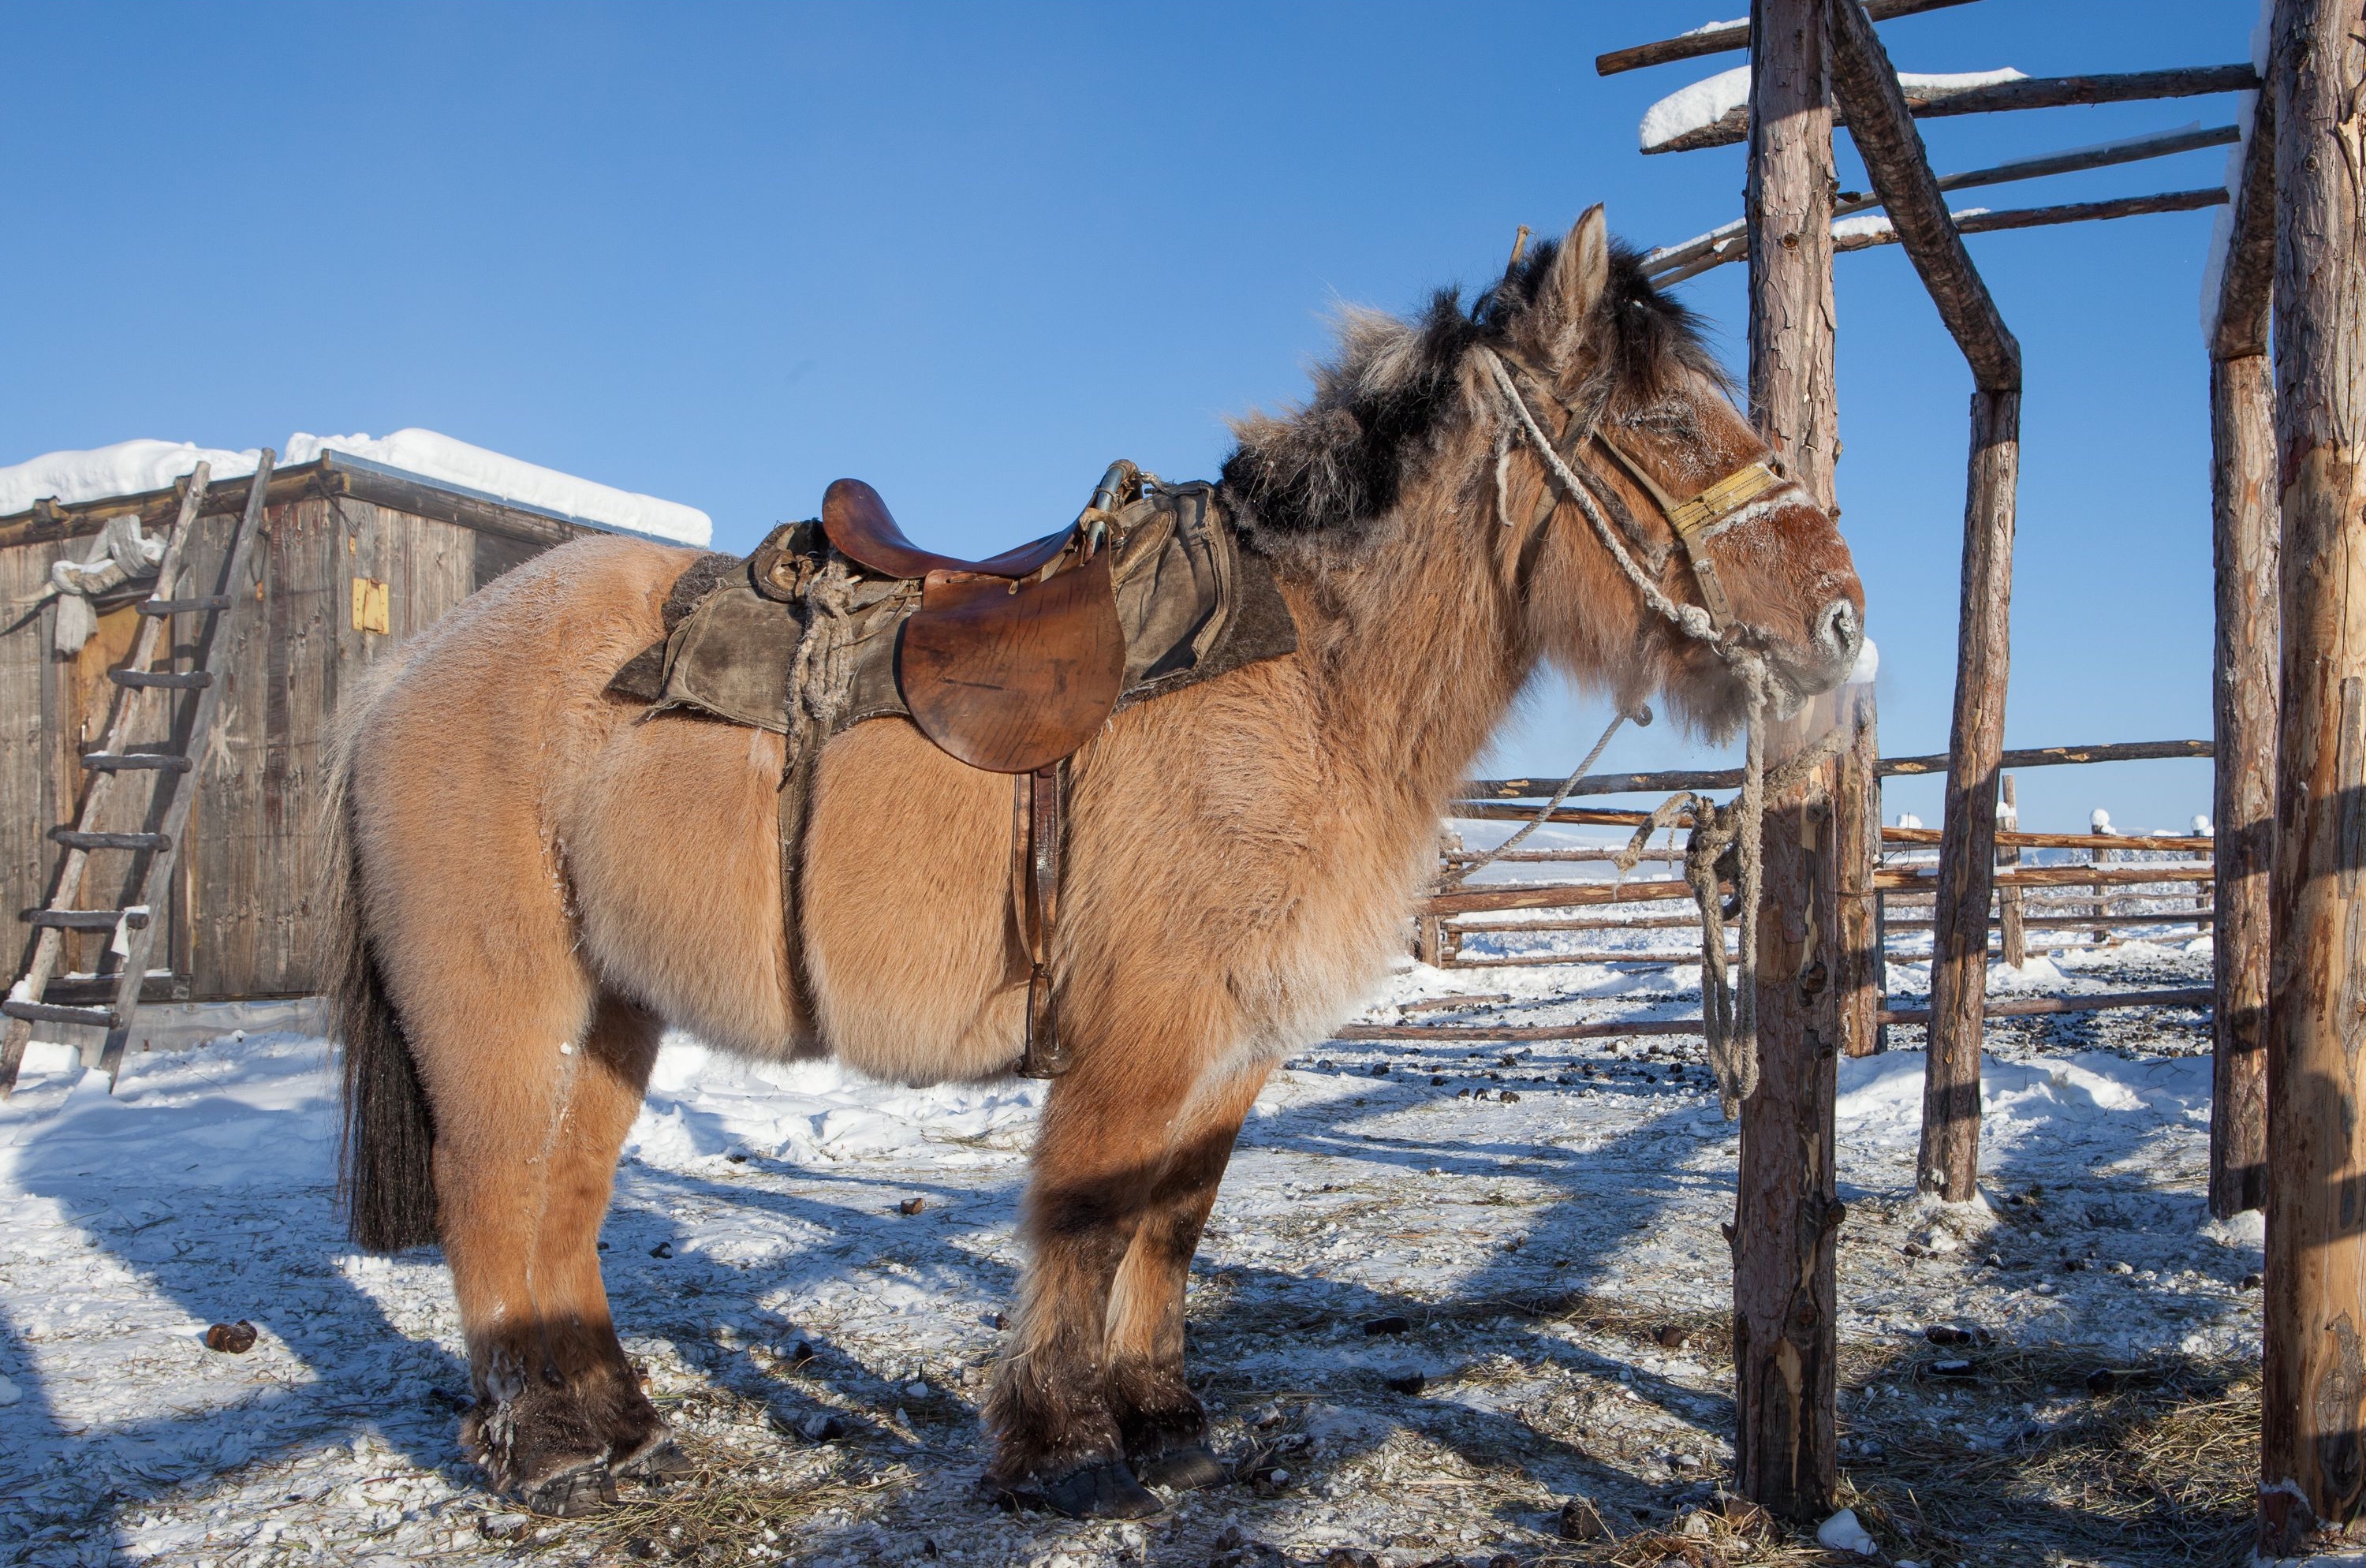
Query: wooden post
[2009, 914]
[1867, 87]
[2312, 1400]
[2242, 534]
[1785, 1215]
[2100, 825]
[1959, 940]
[1857, 835]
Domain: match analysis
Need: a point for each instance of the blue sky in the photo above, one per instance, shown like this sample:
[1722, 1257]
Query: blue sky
[724, 253]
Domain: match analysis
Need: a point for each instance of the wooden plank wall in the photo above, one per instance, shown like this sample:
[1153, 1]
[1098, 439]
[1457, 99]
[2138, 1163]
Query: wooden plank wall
[27, 732]
[240, 916]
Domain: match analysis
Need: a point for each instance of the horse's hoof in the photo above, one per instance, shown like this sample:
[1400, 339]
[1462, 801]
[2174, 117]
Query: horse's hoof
[1187, 1468]
[662, 1461]
[570, 1494]
[1103, 1491]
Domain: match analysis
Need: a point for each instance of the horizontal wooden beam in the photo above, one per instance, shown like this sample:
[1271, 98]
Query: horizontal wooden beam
[1903, 880]
[2005, 840]
[2029, 93]
[1732, 36]
[1731, 241]
[1730, 778]
[2001, 219]
[1551, 895]
[2057, 756]
[1997, 1007]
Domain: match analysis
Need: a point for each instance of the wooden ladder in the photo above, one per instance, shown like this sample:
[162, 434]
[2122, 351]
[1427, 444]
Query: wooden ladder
[171, 770]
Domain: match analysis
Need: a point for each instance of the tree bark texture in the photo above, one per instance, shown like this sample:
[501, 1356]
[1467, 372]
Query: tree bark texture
[1785, 1214]
[2244, 527]
[2313, 1469]
[1856, 860]
[2242, 416]
[1959, 947]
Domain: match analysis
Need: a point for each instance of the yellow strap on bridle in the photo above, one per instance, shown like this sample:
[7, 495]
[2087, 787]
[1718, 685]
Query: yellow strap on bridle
[1723, 499]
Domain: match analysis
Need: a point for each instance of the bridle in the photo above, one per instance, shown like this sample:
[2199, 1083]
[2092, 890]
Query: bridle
[1729, 1013]
[1693, 520]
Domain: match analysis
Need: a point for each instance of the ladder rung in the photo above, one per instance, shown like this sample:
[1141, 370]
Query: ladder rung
[42, 1012]
[129, 761]
[185, 681]
[88, 920]
[184, 606]
[75, 839]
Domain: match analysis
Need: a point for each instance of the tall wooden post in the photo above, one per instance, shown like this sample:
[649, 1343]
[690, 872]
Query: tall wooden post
[1867, 87]
[2312, 1401]
[1785, 1212]
[1856, 833]
[2243, 532]
[1950, 1156]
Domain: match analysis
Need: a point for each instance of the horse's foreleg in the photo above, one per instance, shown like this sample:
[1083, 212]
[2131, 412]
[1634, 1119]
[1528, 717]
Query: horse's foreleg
[1158, 1417]
[1097, 1160]
[524, 1167]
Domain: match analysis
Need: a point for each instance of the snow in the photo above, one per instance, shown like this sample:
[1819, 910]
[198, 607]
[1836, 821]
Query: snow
[757, 1206]
[1696, 107]
[1842, 1532]
[132, 467]
[1704, 103]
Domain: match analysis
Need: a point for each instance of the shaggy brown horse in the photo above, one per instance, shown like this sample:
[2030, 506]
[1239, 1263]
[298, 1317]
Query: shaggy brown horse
[537, 877]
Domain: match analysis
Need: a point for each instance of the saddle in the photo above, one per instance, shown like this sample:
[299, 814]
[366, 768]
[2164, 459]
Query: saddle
[1009, 664]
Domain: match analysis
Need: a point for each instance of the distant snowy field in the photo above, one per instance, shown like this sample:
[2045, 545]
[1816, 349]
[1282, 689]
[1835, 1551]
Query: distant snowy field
[758, 1207]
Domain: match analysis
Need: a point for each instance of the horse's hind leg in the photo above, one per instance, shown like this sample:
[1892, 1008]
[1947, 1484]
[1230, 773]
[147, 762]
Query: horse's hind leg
[1159, 1419]
[525, 1154]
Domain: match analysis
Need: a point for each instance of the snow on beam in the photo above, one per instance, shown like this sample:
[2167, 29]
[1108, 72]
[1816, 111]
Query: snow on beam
[1715, 112]
[1721, 38]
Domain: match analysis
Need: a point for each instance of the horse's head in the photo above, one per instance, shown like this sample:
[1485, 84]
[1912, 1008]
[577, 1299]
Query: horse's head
[1681, 517]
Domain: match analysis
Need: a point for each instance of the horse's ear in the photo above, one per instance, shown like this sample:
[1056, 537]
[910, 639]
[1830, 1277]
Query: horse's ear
[1582, 271]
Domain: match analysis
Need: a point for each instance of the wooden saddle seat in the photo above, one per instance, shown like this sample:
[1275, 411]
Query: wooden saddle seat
[1009, 663]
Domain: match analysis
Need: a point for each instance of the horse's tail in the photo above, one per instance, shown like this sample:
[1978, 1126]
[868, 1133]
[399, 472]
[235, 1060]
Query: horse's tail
[385, 1163]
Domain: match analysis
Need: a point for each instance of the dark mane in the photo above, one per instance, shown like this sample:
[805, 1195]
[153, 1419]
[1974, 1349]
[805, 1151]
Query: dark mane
[1336, 463]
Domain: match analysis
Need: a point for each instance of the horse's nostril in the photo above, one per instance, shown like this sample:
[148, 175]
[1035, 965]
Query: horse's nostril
[1837, 631]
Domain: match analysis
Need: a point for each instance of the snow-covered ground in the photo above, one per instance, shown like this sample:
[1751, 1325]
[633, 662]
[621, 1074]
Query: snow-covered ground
[1543, 1221]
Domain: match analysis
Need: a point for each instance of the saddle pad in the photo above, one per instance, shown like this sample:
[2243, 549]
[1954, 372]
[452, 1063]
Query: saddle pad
[1191, 606]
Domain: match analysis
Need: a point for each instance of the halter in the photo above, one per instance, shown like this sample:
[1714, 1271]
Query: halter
[1729, 1014]
[1693, 521]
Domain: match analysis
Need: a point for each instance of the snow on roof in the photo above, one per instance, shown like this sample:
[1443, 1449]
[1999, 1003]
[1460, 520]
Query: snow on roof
[1703, 104]
[132, 467]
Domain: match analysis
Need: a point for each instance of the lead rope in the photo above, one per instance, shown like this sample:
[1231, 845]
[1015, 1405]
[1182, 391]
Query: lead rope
[1453, 879]
[1729, 1012]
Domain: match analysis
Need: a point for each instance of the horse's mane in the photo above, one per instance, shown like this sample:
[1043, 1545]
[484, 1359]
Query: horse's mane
[1334, 465]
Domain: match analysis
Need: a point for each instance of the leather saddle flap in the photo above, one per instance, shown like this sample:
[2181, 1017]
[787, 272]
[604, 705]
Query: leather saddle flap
[1011, 676]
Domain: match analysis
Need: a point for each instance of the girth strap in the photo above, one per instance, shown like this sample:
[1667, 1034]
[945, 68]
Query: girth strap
[1035, 834]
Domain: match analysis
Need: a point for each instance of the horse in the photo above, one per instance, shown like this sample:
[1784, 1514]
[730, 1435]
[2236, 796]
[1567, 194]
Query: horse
[534, 878]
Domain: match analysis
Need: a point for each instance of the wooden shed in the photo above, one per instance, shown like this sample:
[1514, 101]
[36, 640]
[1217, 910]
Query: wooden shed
[354, 556]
